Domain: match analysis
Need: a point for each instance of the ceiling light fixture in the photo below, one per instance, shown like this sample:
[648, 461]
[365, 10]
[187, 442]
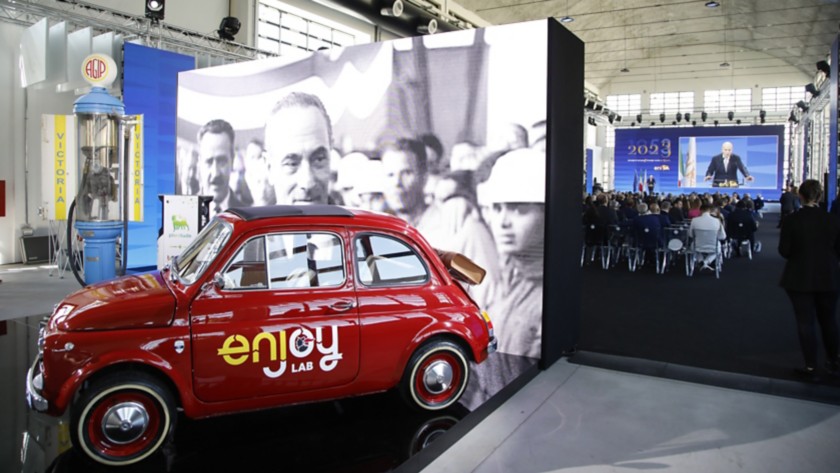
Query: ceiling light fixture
[396, 9]
[824, 67]
[155, 10]
[567, 18]
[712, 4]
[430, 28]
[228, 28]
[625, 69]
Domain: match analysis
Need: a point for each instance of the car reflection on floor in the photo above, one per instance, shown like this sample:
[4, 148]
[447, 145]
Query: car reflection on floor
[367, 434]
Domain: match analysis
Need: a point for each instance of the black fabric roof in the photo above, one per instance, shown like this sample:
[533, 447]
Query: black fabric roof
[271, 211]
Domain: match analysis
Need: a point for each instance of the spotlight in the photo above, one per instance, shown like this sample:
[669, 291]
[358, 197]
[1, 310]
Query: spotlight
[566, 19]
[661, 118]
[687, 116]
[611, 117]
[679, 116]
[792, 117]
[652, 123]
[730, 115]
[812, 89]
[824, 67]
[704, 115]
[154, 10]
[694, 123]
[396, 9]
[228, 28]
[430, 28]
[738, 121]
[802, 105]
[712, 4]
[639, 117]
[762, 115]
[716, 123]
[674, 123]
[591, 121]
[618, 117]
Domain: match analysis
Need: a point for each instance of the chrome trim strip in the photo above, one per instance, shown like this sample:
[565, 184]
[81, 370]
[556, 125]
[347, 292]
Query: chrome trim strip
[33, 399]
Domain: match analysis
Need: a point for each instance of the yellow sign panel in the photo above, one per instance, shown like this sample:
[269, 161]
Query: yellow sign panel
[60, 167]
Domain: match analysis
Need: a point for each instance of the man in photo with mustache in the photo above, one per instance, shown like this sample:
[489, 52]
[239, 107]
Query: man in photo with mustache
[215, 159]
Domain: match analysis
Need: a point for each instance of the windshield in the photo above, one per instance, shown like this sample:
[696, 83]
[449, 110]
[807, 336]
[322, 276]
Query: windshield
[194, 260]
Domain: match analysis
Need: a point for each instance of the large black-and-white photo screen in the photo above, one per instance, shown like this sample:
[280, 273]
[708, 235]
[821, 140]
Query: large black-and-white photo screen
[446, 131]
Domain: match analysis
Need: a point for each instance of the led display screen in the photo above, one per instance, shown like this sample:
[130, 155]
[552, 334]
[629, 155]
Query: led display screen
[446, 131]
[688, 159]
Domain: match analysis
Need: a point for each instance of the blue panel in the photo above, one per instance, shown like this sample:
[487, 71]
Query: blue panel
[150, 88]
[661, 153]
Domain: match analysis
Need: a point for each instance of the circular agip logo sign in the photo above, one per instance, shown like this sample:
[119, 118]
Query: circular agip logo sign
[99, 70]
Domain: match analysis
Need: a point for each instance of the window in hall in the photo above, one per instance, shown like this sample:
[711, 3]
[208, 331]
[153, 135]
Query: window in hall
[671, 102]
[628, 105]
[727, 100]
[282, 29]
[781, 99]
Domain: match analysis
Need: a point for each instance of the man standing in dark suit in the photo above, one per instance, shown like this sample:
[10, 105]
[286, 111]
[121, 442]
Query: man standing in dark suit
[723, 170]
[810, 244]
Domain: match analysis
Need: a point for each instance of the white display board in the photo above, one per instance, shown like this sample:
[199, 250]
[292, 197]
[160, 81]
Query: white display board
[58, 165]
[180, 226]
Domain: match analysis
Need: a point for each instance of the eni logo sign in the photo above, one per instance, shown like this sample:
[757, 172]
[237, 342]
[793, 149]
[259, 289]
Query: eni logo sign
[99, 70]
[284, 350]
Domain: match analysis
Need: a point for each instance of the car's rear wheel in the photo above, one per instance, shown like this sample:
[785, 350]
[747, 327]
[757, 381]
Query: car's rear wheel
[435, 376]
[123, 418]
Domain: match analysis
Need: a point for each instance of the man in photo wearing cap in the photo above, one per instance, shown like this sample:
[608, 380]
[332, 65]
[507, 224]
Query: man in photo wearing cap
[515, 193]
[513, 199]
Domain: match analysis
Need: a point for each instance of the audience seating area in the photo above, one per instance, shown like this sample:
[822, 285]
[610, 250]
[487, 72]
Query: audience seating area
[637, 247]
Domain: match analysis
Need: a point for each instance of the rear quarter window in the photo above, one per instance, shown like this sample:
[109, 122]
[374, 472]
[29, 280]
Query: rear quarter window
[387, 261]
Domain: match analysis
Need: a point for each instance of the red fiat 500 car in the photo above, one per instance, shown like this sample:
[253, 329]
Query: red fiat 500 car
[268, 306]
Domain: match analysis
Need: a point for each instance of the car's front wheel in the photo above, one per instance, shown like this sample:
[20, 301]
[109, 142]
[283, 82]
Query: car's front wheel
[435, 376]
[123, 418]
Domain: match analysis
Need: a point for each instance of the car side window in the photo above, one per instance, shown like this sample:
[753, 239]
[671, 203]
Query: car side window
[247, 269]
[386, 261]
[299, 260]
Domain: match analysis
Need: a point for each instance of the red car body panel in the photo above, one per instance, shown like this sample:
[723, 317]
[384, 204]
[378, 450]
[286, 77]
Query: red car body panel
[226, 351]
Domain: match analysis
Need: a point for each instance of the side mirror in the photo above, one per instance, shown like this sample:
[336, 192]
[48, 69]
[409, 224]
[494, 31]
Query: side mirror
[219, 280]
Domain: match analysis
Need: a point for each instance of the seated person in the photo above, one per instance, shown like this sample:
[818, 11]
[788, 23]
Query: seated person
[706, 224]
[741, 225]
[647, 228]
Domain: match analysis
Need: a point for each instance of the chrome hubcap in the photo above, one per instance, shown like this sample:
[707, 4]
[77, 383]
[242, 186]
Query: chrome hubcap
[125, 422]
[438, 377]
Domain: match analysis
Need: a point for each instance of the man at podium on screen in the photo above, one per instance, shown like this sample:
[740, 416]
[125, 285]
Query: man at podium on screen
[723, 170]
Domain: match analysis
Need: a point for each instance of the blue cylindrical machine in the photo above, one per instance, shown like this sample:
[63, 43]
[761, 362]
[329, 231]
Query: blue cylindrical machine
[99, 207]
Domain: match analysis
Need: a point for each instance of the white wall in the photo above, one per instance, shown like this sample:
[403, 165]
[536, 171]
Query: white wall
[11, 137]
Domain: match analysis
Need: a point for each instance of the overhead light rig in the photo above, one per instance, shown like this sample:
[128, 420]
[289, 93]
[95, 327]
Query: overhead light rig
[79, 14]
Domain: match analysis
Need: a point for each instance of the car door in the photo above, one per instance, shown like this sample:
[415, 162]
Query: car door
[285, 319]
[398, 296]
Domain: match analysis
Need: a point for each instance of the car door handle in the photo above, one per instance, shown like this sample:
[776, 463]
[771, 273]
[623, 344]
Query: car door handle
[342, 306]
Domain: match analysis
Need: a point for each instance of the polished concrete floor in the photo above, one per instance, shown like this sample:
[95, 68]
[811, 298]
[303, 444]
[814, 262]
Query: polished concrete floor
[575, 418]
[571, 417]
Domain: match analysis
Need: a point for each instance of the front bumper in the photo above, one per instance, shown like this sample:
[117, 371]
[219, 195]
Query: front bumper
[492, 345]
[34, 381]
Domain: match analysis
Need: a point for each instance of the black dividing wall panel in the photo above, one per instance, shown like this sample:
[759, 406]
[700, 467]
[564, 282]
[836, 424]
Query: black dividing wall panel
[564, 174]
